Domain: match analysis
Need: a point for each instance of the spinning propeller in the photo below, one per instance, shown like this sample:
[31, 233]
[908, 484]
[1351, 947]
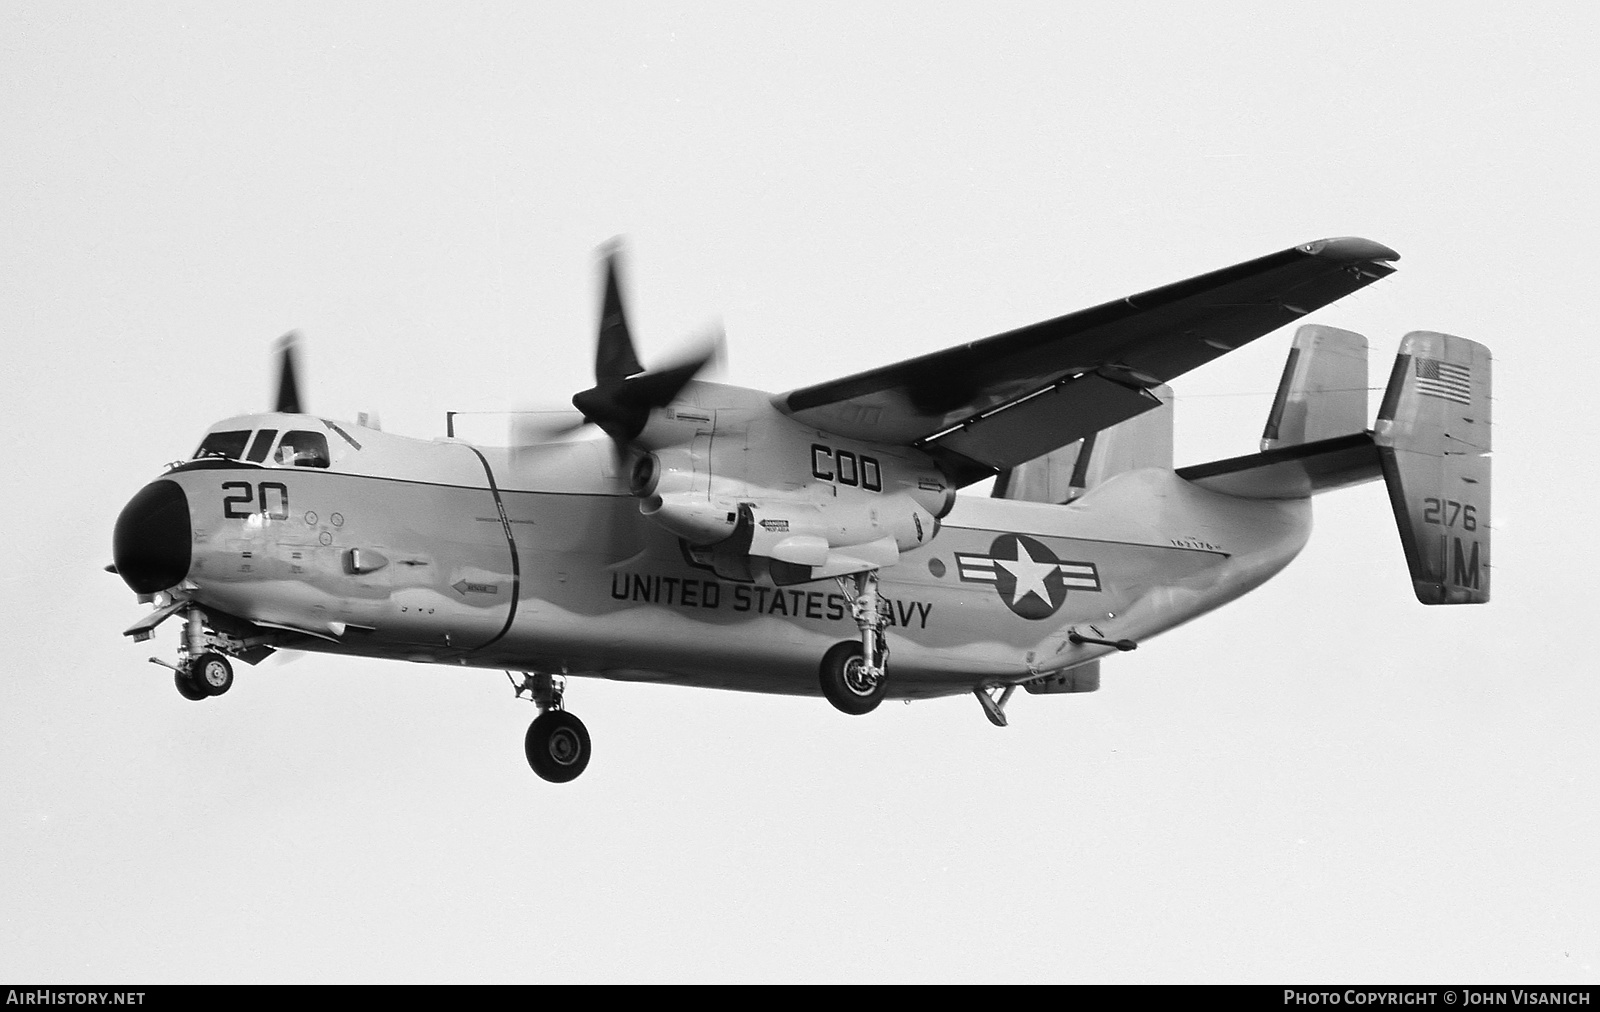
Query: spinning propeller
[624, 394]
[288, 401]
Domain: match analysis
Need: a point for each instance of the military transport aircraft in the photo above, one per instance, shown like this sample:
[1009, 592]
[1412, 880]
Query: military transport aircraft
[813, 542]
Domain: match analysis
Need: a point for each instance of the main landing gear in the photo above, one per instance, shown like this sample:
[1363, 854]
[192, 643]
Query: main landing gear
[557, 744]
[854, 673]
[201, 672]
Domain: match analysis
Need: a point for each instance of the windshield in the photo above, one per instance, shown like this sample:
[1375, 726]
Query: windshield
[224, 444]
[261, 444]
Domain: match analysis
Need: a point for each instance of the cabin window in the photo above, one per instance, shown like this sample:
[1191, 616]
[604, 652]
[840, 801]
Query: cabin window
[303, 449]
[261, 444]
[224, 444]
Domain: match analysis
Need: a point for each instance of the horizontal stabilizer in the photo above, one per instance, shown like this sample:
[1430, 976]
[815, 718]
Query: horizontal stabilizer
[1291, 472]
[1433, 438]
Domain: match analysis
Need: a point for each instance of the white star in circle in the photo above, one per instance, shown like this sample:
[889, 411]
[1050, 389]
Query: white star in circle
[1030, 574]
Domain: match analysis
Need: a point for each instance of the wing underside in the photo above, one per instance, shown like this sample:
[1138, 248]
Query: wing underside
[995, 403]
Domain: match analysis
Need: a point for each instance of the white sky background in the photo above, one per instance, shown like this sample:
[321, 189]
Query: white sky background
[1323, 782]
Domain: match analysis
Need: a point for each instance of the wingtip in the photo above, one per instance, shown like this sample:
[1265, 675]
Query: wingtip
[1349, 249]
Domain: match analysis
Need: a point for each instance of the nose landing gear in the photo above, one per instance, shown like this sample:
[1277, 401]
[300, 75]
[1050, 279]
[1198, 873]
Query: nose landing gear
[557, 743]
[200, 672]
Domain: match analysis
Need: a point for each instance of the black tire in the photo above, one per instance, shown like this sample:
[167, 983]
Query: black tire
[188, 689]
[557, 746]
[842, 683]
[211, 674]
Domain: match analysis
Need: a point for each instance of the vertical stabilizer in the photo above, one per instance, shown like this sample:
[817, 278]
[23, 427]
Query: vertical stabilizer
[1433, 442]
[1060, 476]
[1323, 392]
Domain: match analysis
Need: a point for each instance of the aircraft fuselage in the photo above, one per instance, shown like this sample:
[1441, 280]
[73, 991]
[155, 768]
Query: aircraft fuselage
[540, 560]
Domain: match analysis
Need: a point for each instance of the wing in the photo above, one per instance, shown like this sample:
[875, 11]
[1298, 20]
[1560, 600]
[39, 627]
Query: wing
[995, 403]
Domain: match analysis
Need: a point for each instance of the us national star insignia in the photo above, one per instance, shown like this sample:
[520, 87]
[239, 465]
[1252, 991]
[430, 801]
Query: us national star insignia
[1029, 578]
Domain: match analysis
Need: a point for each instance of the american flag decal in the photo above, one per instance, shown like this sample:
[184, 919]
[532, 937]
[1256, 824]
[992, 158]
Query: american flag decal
[1444, 380]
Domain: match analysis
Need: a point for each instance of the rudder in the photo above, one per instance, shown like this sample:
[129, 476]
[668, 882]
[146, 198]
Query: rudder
[1323, 392]
[1433, 439]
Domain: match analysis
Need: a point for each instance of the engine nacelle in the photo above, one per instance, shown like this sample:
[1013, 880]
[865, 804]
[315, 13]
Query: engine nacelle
[692, 517]
[811, 530]
[806, 532]
[675, 489]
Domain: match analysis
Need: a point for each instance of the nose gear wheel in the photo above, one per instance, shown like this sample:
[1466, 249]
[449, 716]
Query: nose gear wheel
[211, 673]
[187, 688]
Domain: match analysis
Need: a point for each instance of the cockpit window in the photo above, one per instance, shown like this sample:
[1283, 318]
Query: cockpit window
[261, 444]
[304, 449]
[223, 444]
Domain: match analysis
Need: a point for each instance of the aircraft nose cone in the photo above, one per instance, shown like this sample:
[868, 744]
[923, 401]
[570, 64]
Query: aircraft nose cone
[151, 542]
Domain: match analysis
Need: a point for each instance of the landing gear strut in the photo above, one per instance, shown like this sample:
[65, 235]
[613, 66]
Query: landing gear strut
[557, 743]
[854, 673]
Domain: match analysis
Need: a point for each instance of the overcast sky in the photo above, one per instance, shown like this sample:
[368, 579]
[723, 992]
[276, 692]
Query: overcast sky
[1324, 781]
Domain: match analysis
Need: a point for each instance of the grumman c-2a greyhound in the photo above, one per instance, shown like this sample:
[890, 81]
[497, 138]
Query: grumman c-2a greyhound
[813, 542]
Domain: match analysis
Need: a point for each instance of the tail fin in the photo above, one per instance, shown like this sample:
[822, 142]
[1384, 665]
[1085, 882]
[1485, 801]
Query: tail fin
[1323, 392]
[1433, 443]
[1060, 476]
[1430, 444]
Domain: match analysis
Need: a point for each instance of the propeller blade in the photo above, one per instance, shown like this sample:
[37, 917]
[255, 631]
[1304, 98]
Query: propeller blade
[544, 427]
[614, 356]
[624, 394]
[622, 406]
[541, 428]
[658, 388]
[288, 401]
